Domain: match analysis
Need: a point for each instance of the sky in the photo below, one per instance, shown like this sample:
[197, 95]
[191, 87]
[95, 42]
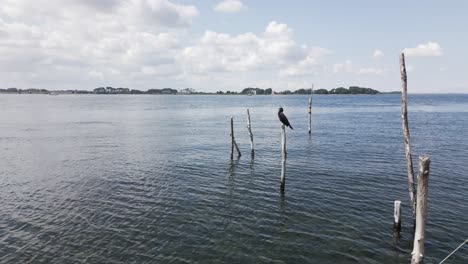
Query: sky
[225, 45]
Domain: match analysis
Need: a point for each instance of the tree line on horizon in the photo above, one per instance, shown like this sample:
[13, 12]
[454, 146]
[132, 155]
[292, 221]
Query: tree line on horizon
[245, 91]
[339, 90]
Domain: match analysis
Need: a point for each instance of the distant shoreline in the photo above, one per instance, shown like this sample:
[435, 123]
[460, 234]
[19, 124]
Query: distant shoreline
[352, 90]
[214, 94]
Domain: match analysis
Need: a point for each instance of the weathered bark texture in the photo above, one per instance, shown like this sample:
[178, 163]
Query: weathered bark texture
[310, 114]
[233, 141]
[232, 138]
[406, 135]
[283, 155]
[397, 216]
[423, 179]
[249, 127]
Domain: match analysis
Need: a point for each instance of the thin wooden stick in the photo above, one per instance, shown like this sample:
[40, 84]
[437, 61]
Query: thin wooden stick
[466, 241]
[249, 127]
[232, 138]
[233, 141]
[283, 156]
[310, 109]
[397, 216]
[237, 148]
[423, 179]
[406, 135]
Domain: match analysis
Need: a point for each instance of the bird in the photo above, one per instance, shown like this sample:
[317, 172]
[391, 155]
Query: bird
[283, 118]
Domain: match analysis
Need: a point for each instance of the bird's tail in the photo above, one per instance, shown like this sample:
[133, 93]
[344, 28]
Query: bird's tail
[291, 127]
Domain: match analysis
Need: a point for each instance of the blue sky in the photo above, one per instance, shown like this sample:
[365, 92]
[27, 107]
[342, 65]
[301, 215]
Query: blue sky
[229, 45]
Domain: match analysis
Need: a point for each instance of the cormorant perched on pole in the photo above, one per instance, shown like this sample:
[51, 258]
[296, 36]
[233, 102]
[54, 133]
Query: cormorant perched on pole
[283, 118]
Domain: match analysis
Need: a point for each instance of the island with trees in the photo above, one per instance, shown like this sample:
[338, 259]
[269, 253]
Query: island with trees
[191, 91]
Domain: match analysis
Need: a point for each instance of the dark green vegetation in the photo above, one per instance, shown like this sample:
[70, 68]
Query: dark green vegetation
[250, 90]
[245, 91]
[339, 90]
[111, 90]
[99, 90]
[26, 91]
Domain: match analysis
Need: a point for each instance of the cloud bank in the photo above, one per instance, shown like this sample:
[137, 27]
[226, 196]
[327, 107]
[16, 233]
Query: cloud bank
[229, 6]
[431, 49]
[143, 44]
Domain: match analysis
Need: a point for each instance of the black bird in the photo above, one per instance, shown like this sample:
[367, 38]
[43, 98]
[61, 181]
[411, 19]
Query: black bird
[283, 118]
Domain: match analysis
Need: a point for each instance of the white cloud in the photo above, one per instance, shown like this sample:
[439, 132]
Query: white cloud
[221, 52]
[347, 66]
[89, 38]
[144, 44]
[375, 71]
[96, 74]
[166, 70]
[424, 50]
[270, 50]
[377, 54]
[101, 5]
[229, 6]
[313, 63]
[120, 43]
[409, 68]
[162, 12]
[278, 29]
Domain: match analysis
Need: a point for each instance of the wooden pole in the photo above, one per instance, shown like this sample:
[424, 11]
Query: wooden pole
[232, 138]
[233, 141]
[423, 178]
[310, 109]
[283, 156]
[406, 135]
[397, 216]
[237, 148]
[249, 127]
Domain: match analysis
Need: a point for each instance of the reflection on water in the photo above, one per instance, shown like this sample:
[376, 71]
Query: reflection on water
[147, 179]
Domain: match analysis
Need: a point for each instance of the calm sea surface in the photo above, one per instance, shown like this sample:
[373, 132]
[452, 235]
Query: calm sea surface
[148, 179]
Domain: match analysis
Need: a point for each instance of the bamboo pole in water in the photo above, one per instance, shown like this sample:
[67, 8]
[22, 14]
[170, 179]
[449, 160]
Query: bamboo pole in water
[397, 216]
[283, 156]
[423, 179]
[406, 135]
[233, 141]
[237, 148]
[249, 127]
[232, 138]
[310, 109]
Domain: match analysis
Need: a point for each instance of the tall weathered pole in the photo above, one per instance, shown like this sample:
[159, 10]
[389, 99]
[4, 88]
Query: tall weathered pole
[310, 109]
[233, 141]
[249, 127]
[423, 179]
[232, 138]
[406, 135]
[283, 157]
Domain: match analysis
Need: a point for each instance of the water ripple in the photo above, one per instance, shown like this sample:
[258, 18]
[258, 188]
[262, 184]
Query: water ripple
[149, 180]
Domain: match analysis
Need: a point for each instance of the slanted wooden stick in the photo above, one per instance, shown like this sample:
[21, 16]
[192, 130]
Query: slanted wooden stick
[249, 127]
[233, 141]
[423, 179]
[406, 135]
[237, 148]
